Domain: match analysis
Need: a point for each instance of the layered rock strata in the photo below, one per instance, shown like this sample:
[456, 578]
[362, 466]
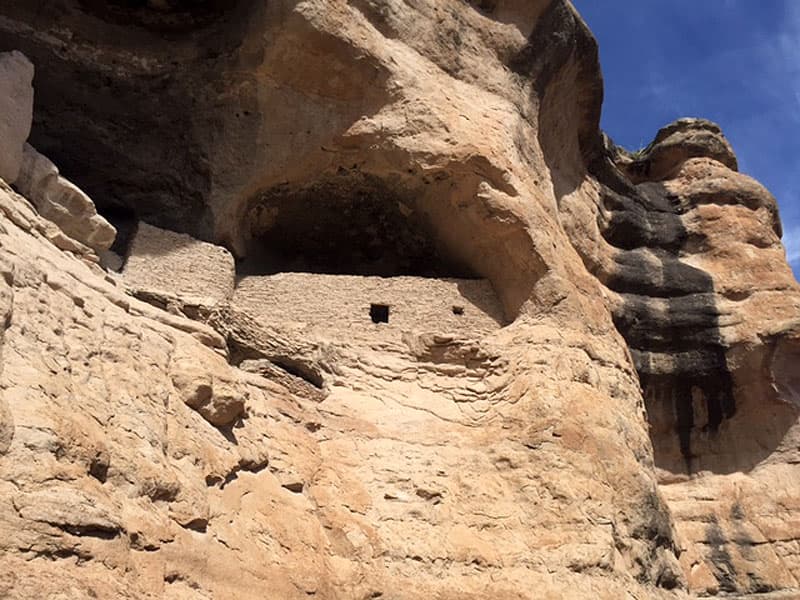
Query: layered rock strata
[563, 382]
[62, 202]
[689, 250]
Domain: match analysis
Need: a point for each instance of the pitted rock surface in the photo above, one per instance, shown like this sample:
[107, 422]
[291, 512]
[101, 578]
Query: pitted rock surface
[394, 319]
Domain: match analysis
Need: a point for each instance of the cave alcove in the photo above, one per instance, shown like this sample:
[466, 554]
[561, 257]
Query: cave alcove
[347, 225]
[166, 16]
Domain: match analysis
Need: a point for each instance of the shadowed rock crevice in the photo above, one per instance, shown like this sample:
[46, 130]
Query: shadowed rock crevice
[166, 16]
[568, 86]
[126, 223]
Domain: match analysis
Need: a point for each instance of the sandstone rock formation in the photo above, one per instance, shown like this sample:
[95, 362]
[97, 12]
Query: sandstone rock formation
[62, 202]
[16, 106]
[709, 309]
[432, 335]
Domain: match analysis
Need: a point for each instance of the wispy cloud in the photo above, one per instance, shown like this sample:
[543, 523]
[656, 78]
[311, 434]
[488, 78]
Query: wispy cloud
[781, 52]
[782, 82]
[791, 240]
[736, 62]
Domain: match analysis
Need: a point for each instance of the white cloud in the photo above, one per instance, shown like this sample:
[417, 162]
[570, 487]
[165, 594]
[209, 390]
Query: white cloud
[791, 240]
[781, 51]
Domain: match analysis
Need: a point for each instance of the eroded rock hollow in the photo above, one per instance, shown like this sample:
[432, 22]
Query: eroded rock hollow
[385, 315]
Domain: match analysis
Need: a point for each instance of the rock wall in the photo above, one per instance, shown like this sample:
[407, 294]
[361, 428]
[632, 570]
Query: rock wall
[341, 304]
[171, 264]
[608, 424]
[16, 98]
[690, 252]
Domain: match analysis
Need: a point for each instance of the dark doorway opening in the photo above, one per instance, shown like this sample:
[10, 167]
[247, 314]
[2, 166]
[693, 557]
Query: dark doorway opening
[379, 313]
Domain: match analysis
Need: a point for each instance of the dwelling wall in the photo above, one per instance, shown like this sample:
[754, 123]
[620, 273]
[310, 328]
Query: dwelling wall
[342, 303]
[179, 265]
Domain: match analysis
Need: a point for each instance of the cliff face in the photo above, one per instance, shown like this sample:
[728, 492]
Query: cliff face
[689, 252]
[392, 317]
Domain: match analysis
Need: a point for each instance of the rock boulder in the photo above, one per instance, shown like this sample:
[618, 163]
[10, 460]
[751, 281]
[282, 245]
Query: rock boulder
[62, 202]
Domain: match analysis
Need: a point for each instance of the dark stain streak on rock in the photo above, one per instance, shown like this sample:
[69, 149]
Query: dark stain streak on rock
[669, 317]
[721, 559]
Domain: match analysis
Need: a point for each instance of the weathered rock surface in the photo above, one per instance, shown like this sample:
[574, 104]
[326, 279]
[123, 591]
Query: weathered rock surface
[16, 106]
[395, 480]
[62, 202]
[172, 265]
[711, 313]
[466, 349]
[674, 145]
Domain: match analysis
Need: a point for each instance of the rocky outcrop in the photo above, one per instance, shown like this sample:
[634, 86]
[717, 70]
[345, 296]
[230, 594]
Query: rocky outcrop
[589, 398]
[690, 250]
[673, 146]
[62, 202]
[16, 106]
[682, 240]
[55, 198]
[190, 466]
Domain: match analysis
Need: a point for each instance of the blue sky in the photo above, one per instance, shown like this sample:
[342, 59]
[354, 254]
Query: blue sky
[736, 62]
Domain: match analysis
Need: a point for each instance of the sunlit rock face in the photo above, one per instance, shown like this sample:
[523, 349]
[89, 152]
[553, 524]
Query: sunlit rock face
[386, 315]
[690, 251]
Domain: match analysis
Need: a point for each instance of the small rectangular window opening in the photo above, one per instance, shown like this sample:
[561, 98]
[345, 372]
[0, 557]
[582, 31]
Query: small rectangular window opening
[379, 313]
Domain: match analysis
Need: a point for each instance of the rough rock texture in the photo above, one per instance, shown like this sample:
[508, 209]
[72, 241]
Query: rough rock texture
[177, 265]
[618, 418]
[16, 106]
[340, 303]
[711, 313]
[62, 202]
[397, 479]
[672, 146]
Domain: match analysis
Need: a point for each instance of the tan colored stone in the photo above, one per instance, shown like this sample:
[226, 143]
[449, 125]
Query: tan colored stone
[62, 202]
[407, 465]
[176, 265]
[673, 145]
[268, 439]
[700, 288]
[342, 303]
[16, 111]
[202, 380]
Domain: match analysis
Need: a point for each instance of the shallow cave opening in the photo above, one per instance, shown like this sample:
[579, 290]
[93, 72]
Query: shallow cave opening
[164, 15]
[345, 226]
[186, 6]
